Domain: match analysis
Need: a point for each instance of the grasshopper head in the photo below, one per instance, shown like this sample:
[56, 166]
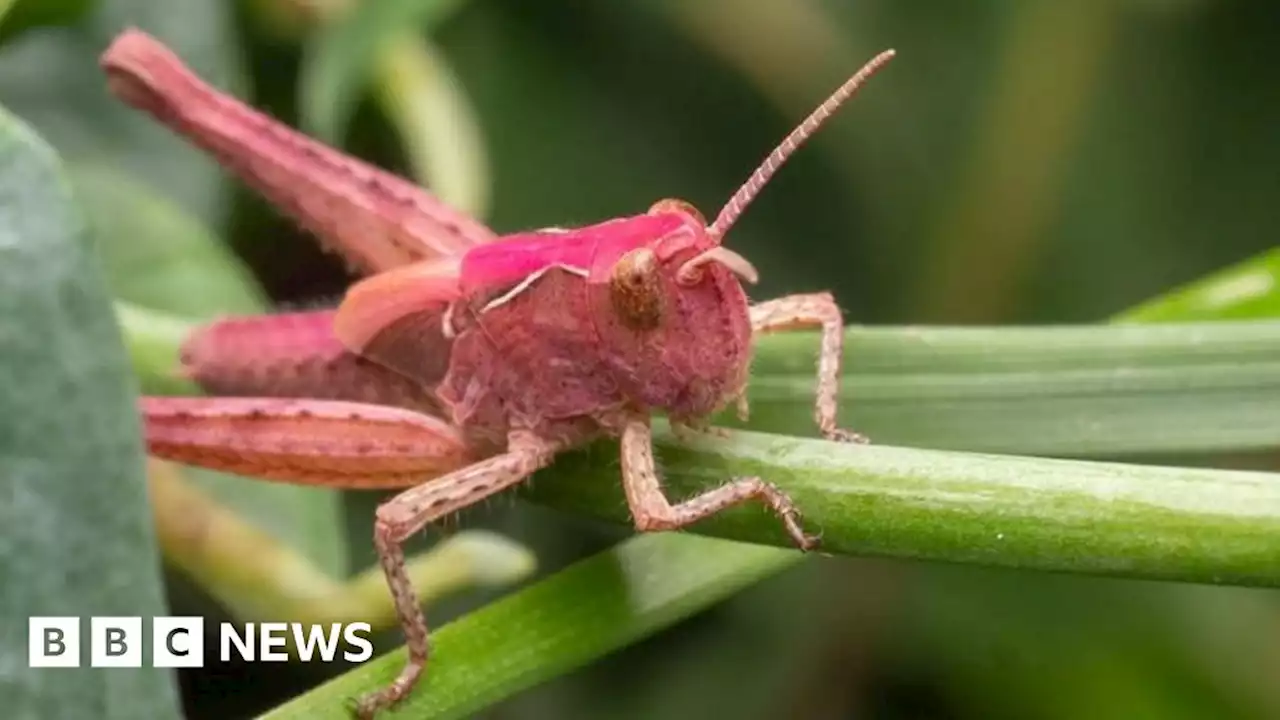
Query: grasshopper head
[673, 316]
[677, 325]
[636, 287]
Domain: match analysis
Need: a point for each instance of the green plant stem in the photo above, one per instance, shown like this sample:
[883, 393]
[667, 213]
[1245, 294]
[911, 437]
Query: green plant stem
[1209, 526]
[1170, 523]
[1078, 391]
[154, 340]
[1081, 391]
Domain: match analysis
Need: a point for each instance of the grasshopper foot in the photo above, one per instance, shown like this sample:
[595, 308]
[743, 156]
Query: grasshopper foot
[370, 704]
[790, 515]
[652, 511]
[846, 436]
[808, 542]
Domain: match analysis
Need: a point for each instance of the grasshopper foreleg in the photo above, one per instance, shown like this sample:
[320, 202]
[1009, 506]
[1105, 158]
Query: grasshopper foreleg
[799, 311]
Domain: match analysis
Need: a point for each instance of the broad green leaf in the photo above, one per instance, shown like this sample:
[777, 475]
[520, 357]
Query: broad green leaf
[77, 535]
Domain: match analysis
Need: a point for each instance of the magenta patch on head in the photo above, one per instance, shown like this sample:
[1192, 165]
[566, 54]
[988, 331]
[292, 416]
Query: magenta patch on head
[594, 248]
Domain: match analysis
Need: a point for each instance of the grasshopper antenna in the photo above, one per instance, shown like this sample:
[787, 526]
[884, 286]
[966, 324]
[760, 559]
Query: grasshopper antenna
[738, 203]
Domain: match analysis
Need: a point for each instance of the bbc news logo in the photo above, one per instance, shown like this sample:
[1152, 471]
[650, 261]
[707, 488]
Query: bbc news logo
[178, 642]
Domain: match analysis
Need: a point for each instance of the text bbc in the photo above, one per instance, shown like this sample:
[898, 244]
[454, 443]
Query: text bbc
[179, 642]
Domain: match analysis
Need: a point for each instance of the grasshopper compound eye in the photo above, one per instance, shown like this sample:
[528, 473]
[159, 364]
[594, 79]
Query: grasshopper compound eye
[635, 288]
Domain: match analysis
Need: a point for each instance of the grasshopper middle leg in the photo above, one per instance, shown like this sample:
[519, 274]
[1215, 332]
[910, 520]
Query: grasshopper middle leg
[651, 510]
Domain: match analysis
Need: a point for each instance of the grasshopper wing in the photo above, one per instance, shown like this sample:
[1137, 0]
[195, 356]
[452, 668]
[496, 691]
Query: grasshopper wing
[292, 355]
[373, 219]
[396, 319]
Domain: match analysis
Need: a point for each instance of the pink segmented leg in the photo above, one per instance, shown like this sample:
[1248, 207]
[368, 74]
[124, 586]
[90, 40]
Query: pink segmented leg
[652, 511]
[348, 445]
[313, 442]
[800, 311]
[406, 514]
[372, 218]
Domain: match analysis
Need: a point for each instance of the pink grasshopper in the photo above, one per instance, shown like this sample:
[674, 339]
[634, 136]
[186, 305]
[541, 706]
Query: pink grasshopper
[467, 361]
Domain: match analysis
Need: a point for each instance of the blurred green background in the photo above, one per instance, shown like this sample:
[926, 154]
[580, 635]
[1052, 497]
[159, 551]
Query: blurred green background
[1021, 161]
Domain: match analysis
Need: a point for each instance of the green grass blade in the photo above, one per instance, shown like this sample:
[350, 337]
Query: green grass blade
[610, 600]
[1249, 289]
[344, 54]
[424, 100]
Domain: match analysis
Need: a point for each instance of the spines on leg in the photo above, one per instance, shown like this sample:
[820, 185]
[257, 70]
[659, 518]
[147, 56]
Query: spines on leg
[373, 219]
